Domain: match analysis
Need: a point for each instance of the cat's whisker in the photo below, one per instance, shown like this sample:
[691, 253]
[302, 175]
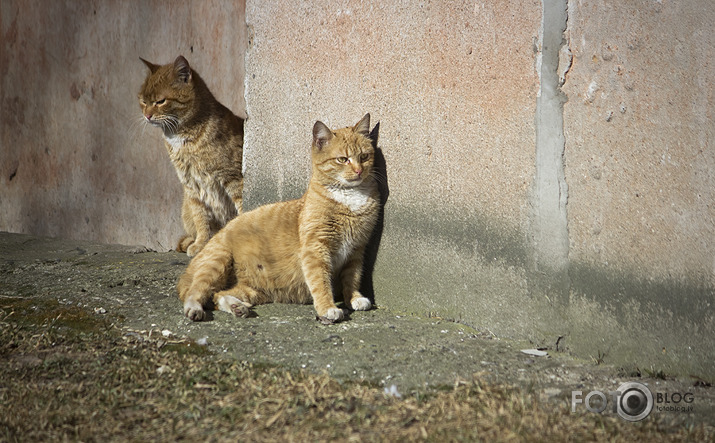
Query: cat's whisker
[170, 124]
[165, 125]
[175, 123]
[379, 177]
[137, 127]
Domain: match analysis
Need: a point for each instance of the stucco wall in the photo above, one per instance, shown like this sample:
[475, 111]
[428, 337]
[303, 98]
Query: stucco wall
[77, 161]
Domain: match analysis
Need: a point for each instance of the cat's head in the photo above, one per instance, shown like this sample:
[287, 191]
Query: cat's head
[168, 94]
[342, 158]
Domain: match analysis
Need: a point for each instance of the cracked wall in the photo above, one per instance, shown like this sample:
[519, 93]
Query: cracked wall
[549, 227]
[640, 166]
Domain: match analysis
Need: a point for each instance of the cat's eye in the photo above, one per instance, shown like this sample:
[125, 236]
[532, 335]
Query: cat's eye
[364, 157]
[341, 160]
[160, 102]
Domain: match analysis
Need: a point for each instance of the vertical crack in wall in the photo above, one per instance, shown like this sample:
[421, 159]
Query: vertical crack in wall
[549, 225]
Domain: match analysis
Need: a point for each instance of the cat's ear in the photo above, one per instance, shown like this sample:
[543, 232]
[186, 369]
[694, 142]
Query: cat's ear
[321, 135]
[182, 68]
[363, 126]
[152, 67]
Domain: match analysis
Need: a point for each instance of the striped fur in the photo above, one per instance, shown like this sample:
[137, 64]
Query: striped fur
[205, 143]
[293, 251]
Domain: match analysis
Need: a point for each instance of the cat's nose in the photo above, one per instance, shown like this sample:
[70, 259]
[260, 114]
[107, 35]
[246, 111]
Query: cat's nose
[148, 116]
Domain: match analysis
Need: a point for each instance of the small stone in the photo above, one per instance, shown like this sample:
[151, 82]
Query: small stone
[552, 392]
[325, 320]
[535, 352]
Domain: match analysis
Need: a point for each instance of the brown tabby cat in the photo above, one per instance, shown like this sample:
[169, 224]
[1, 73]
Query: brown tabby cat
[292, 251]
[205, 143]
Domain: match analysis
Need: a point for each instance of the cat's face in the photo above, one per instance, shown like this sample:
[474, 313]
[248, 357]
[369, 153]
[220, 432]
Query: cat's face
[167, 95]
[343, 158]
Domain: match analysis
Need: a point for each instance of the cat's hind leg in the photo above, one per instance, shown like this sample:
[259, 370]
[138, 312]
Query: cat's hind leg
[232, 300]
[207, 273]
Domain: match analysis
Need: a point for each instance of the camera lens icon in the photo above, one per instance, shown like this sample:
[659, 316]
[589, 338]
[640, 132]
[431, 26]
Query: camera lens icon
[635, 401]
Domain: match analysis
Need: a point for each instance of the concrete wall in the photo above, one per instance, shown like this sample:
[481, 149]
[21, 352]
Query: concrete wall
[76, 160]
[455, 98]
[550, 164]
[640, 168]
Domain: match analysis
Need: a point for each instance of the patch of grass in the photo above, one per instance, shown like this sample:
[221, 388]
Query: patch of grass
[28, 324]
[600, 358]
[94, 382]
[186, 348]
[656, 373]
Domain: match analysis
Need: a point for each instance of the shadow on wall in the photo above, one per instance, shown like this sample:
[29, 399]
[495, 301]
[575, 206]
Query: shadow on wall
[380, 172]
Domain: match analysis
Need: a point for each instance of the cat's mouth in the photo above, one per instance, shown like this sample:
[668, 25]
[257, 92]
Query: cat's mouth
[167, 123]
[353, 182]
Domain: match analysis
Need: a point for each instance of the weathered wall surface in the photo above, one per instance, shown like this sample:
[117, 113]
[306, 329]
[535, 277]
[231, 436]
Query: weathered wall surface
[454, 93]
[76, 160]
[640, 168]
[550, 165]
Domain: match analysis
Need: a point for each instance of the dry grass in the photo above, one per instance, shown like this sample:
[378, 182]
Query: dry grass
[70, 375]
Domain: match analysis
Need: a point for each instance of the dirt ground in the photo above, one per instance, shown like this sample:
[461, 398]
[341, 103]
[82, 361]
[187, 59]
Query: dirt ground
[403, 353]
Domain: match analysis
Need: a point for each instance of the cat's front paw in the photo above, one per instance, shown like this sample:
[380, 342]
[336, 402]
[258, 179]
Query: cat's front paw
[332, 316]
[193, 310]
[361, 304]
[335, 314]
[195, 248]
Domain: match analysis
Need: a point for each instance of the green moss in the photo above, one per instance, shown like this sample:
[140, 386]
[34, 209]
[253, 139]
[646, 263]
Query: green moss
[52, 314]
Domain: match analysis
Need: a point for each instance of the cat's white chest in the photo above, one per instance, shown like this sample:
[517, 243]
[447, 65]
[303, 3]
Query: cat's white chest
[354, 198]
[175, 141]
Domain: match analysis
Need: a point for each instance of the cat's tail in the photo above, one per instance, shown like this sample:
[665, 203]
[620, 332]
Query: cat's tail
[207, 273]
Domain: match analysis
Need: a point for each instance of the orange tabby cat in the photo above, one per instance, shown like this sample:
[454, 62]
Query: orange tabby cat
[293, 251]
[205, 143]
